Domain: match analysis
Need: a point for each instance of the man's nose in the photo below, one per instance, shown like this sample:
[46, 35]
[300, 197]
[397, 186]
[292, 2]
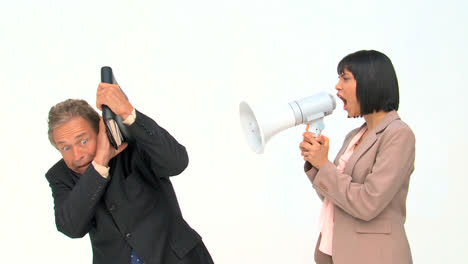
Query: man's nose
[77, 153]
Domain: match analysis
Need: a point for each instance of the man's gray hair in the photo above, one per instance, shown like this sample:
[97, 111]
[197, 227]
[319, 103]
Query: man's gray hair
[64, 111]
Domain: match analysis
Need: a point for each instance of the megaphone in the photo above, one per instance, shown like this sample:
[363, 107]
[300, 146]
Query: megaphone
[261, 123]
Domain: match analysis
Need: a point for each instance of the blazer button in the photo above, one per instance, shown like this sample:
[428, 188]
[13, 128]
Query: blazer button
[112, 208]
[128, 235]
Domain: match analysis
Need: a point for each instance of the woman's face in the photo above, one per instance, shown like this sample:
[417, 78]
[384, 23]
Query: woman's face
[346, 88]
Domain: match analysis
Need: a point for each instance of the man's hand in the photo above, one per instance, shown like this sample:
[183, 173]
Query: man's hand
[111, 95]
[314, 150]
[104, 150]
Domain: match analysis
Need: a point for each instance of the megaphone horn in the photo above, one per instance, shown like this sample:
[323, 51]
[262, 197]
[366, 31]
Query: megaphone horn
[261, 123]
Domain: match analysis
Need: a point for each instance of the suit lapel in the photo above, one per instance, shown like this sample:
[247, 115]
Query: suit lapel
[365, 145]
[369, 141]
[348, 139]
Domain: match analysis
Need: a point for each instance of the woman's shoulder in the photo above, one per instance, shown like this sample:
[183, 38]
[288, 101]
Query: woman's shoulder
[399, 128]
[399, 125]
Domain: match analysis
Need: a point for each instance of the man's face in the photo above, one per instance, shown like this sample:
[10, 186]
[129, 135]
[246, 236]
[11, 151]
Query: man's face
[76, 140]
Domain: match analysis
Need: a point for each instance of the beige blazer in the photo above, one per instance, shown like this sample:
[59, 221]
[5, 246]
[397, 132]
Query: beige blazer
[370, 195]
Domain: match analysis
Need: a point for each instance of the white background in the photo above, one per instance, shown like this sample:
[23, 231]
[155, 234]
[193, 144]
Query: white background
[188, 65]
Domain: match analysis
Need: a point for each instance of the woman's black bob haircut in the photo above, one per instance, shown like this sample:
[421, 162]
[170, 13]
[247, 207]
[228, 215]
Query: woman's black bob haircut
[376, 81]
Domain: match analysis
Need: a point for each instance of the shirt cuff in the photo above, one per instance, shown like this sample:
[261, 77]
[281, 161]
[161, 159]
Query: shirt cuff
[130, 119]
[103, 170]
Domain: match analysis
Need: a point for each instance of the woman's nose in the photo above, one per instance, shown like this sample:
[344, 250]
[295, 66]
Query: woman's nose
[338, 85]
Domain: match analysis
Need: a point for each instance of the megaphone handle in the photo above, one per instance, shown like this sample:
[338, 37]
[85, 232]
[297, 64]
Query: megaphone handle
[317, 126]
[317, 130]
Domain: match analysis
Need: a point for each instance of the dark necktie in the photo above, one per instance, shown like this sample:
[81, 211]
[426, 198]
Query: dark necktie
[134, 259]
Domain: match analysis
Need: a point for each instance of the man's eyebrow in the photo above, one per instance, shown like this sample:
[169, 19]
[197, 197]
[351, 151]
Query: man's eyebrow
[81, 135]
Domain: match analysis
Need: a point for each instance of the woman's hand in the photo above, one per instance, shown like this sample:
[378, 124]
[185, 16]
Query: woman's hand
[314, 150]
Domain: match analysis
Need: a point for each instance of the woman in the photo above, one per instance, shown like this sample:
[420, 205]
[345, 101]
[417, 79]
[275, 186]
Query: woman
[364, 191]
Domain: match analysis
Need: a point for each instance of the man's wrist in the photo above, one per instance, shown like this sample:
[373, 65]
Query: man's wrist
[130, 118]
[101, 169]
[126, 111]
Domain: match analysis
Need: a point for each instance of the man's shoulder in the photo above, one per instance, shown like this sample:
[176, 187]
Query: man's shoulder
[58, 168]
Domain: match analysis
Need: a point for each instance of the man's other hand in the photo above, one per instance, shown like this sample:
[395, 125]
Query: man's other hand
[104, 150]
[111, 95]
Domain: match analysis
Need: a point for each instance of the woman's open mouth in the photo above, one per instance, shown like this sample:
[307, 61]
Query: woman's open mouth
[345, 102]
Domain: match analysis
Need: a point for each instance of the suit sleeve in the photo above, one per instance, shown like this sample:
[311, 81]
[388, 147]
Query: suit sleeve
[75, 204]
[311, 172]
[393, 164]
[158, 149]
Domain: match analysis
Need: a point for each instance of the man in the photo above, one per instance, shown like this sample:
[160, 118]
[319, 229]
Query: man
[123, 198]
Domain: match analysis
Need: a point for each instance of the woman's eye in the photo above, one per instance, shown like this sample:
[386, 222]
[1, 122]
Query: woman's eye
[84, 141]
[66, 148]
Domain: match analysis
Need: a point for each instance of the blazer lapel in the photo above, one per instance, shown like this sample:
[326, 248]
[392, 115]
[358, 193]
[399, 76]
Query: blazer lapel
[365, 145]
[348, 139]
[369, 141]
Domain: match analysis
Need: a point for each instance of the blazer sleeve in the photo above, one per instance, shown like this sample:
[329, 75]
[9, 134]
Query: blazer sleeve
[311, 172]
[393, 164]
[75, 204]
[157, 148]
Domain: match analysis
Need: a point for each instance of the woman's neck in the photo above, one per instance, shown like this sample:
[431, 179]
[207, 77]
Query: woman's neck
[373, 119]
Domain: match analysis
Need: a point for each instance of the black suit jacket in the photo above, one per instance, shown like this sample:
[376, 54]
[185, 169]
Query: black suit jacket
[136, 207]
